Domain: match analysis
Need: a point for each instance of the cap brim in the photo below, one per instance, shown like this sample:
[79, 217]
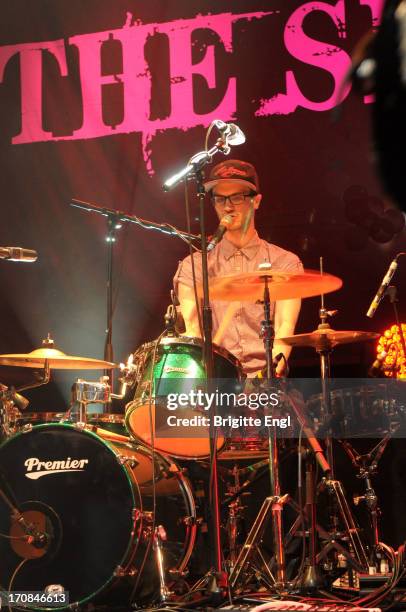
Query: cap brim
[210, 184]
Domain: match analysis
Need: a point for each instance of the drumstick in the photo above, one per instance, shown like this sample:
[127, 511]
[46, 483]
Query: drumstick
[230, 312]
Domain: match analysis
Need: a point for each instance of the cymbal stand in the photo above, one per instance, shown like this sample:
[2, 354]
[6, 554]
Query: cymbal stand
[275, 502]
[268, 335]
[324, 350]
[11, 401]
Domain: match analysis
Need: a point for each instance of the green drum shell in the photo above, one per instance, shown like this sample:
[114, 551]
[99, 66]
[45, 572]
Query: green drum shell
[178, 360]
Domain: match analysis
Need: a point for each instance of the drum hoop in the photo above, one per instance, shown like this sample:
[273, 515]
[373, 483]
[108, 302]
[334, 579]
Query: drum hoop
[189, 341]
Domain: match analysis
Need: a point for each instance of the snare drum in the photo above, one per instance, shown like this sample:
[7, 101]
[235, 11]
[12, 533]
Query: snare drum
[178, 366]
[93, 500]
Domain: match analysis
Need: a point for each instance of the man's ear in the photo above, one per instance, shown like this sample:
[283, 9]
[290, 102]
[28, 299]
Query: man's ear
[256, 200]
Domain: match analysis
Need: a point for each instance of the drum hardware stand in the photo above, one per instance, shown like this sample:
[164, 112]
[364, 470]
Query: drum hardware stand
[367, 466]
[312, 579]
[324, 350]
[275, 501]
[11, 403]
[335, 489]
[88, 392]
[251, 545]
[273, 505]
[158, 538]
[235, 508]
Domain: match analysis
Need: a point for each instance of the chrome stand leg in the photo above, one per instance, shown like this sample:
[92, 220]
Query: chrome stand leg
[250, 547]
[159, 537]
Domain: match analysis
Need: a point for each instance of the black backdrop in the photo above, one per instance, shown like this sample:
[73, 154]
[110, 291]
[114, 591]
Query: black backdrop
[321, 195]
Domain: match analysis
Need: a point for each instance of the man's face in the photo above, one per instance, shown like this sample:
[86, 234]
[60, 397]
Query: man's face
[243, 211]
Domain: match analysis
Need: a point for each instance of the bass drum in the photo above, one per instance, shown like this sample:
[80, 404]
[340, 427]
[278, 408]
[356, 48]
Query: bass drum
[175, 366]
[93, 500]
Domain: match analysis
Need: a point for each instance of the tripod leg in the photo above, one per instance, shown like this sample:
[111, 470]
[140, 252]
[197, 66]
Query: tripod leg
[336, 487]
[253, 539]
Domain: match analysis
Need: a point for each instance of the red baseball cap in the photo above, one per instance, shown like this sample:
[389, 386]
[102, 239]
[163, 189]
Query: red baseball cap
[233, 171]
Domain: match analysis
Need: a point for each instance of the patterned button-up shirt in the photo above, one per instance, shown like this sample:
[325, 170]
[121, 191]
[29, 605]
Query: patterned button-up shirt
[242, 334]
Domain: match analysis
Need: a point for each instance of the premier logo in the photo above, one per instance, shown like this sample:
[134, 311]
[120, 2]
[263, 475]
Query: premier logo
[36, 468]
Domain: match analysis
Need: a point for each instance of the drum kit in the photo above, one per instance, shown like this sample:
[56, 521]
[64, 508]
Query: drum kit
[107, 508]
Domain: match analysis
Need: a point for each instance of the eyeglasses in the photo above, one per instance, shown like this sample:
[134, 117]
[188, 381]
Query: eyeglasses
[236, 198]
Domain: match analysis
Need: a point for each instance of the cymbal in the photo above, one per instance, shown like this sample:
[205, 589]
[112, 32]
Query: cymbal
[321, 338]
[249, 286]
[57, 360]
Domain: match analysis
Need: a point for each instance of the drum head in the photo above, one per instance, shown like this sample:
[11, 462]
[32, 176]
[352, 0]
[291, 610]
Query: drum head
[70, 484]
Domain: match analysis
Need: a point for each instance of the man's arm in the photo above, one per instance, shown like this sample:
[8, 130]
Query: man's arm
[188, 309]
[286, 315]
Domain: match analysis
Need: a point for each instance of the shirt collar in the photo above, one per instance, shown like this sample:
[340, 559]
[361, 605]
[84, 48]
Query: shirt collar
[249, 250]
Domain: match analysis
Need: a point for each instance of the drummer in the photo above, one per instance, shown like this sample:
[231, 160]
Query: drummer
[234, 190]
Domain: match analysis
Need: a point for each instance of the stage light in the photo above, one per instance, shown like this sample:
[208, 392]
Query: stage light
[390, 346]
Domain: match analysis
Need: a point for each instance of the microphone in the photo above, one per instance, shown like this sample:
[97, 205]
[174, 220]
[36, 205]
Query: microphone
[18, 254]
[221, 230]
[381, 291]
[231, 132]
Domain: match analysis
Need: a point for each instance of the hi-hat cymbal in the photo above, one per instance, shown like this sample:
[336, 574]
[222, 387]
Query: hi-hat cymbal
[249, 286]
[328, 338]
[57, 360]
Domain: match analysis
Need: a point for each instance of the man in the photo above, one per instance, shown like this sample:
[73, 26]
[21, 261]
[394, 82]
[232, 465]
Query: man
[234, 190]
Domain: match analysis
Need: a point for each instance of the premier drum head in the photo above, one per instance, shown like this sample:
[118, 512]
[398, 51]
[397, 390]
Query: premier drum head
[70, 485]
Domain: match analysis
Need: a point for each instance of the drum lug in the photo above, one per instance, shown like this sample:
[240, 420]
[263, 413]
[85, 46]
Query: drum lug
[136, 515]
[79, 425]
[120, 571]
[125, 459]
[175, 573]
[148, 516]
[189, 520]
[26, 428]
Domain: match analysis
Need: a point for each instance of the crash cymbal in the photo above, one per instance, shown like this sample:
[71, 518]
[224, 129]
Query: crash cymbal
[249, 286]
[328, 338]
[57, 360]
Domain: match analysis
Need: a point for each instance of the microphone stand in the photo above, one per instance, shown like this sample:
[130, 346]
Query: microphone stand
[218, 579]
[113, 224]
[115, 219]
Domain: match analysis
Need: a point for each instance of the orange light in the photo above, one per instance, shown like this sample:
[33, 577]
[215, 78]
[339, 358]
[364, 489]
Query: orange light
[390, 352]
